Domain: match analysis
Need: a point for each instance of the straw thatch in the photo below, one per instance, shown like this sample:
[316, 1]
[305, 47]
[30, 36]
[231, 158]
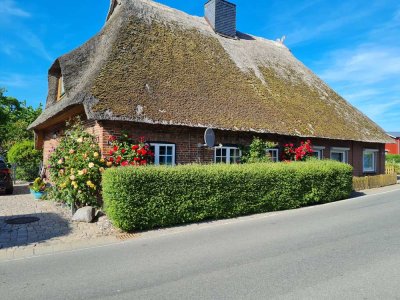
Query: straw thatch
[154, 64]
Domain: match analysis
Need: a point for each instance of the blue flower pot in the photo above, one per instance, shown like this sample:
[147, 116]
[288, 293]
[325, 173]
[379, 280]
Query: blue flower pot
[38, 195]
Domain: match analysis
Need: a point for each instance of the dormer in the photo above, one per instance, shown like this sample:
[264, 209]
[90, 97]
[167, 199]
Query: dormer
[56, 84]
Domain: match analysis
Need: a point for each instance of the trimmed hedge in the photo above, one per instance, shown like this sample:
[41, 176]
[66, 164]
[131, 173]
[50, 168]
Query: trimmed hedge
[152, 197]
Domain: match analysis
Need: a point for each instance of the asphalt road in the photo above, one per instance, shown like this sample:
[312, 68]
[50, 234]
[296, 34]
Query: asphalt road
[345, 250]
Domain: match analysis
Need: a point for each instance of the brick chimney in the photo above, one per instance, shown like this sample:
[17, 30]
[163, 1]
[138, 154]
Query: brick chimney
[221, 15]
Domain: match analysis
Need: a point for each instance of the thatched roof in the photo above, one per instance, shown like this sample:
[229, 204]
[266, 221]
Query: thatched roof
[154, 64]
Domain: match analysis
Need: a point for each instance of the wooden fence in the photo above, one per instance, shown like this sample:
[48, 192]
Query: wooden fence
[390, 170]
[371, 182]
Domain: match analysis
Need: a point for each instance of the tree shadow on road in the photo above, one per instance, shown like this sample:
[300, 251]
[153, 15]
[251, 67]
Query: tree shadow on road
[49, 226]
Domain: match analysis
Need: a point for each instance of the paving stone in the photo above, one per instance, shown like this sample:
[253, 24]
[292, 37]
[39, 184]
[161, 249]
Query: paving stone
[54, 230]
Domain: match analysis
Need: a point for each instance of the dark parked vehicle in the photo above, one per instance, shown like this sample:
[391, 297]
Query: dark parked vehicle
[6, 182]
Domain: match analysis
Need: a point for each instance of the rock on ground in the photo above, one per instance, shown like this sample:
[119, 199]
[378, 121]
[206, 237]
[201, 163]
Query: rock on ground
[84, 214]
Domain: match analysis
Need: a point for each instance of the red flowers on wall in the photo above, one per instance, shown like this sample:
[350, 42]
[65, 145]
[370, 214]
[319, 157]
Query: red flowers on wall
[126, 152]
[301, 153]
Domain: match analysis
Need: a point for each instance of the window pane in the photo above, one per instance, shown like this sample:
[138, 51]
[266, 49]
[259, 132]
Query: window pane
[162, 160]
[316, 154]
[223, 152]
[369, 161]
[169, 160]
[163, 150]
[337, 156]
[169, 150]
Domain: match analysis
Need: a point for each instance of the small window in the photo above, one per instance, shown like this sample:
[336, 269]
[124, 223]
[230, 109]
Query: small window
[318, 152]
[60, 88]
[369, 160]
[340, 154]
[227, 155]
[164, 154]
[274, 154]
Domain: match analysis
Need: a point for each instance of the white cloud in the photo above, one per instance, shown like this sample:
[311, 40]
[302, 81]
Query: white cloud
[10, 8]
[366, 64]
[326, 22]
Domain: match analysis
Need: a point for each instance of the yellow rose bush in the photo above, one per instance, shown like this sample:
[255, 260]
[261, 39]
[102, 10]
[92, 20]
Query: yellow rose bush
[75, 168]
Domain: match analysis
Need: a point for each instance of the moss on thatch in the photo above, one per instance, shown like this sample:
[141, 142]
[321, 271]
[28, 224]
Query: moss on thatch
[159, 72]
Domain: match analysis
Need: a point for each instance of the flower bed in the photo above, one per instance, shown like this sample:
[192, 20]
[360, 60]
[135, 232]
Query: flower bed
[144, 198]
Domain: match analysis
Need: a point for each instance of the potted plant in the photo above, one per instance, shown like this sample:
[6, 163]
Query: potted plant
[38, 188]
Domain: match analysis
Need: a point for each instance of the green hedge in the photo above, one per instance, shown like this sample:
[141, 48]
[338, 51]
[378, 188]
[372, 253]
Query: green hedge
[152, 197]
[393, 158]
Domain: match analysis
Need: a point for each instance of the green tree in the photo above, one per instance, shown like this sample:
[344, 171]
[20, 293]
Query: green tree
[15, 117]
[27, 159]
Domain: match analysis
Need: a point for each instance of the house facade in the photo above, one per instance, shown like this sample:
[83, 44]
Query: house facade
[394, 147]
[157, 72]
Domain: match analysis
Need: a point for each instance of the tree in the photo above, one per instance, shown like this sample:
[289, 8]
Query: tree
[15, 117]
[27, 159]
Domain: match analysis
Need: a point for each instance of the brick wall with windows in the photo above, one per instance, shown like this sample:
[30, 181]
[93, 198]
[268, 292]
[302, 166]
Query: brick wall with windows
[186, 141]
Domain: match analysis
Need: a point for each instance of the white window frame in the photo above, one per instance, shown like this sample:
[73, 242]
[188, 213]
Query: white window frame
[319, 150]
[344, 151]
[157, 152]
[228, 153]
[374, 160]
[275, 157]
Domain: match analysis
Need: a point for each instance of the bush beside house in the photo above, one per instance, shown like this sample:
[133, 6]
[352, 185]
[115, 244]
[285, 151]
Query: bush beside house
[145, 198]
[27, 159]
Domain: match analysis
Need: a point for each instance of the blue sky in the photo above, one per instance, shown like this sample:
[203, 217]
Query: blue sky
[353, 45]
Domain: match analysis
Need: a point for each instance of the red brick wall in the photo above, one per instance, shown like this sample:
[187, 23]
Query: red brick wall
[53, 134]
[187, 140]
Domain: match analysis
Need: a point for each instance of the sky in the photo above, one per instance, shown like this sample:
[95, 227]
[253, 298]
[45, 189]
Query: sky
[353, 45]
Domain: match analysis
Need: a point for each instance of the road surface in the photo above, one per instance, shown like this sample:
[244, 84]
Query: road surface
[343, 250]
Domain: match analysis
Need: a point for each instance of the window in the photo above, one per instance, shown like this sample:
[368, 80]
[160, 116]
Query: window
[164, 154]
[369, 160]
[318, 152]
[227, 155]
[60, 88]
[340, 154]
[274, 154]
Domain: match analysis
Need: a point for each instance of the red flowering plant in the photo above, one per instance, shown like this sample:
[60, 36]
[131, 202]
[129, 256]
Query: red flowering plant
[126, 151]
[300, 153]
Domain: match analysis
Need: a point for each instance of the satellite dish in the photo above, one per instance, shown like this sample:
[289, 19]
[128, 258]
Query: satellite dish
[209, 137]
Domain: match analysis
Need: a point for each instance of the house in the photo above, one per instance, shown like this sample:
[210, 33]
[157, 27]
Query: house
[394, 147]
[163, 74]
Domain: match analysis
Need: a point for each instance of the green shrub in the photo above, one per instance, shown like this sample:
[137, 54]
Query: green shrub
[27, 159]
[256, 152]
[75, 167]
[144, 198]
[393, 158]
